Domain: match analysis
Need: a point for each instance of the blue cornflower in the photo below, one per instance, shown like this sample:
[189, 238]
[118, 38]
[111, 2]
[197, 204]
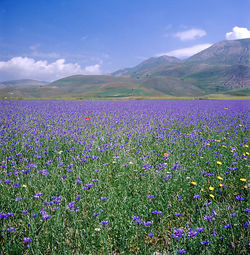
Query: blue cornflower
[209, 218]
[27, 240]
[181, 251]
[89, 185]
[11, 229]
[192, 233]
[205, 242]
[148, 223]
[200, 229]
[135, 217]
[156, 212]
[103, 223]
[103, 198]
[227, 226]
[150, 197]
[247, 223]
[178, 214]
[38, 195]
[167, 176]
[196, 196]
[150, 234]
[214, 233]
[138, 221]
[46, 216]
[239, 198]
[178, 233]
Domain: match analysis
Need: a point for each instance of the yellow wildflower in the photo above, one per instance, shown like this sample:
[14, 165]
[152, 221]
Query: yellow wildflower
[218, 141]
[243, 179]
[219, 178]
[219, 163]
[226, 108]
[247, 153]
[202, 189]
[220, 185]
[211, 188]
[24, 185]
[246, 146]
[194, 183]
[224, 146]
[240, 125]
[245, 187]
[211, 195]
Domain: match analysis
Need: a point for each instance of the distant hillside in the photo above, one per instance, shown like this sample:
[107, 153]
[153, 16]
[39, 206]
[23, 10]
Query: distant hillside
[230, 52]
[223, 68]
[23, 83]
[147, 66]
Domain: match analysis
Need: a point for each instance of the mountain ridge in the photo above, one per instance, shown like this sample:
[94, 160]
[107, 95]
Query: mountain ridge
[224, 67]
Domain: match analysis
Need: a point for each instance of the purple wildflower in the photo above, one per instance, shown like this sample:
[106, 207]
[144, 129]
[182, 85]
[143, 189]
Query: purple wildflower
[104, 223]
[156, 212]
[27, 240]
[38, 195]
[11, 229]
[181, 251]
[148, 223]
[178, 214]
[200, 229]
[239, 198]
[205, 242]
[196, 196]
[150, 234]
[227, 226]
[178, 233]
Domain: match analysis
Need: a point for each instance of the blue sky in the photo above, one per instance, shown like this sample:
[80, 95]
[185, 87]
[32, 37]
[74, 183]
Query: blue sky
[49, 39]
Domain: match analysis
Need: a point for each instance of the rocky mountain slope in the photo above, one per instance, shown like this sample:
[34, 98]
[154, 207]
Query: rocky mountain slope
[222, 68]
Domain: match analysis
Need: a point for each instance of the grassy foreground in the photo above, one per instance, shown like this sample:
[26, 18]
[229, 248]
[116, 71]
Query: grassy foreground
[124, 177]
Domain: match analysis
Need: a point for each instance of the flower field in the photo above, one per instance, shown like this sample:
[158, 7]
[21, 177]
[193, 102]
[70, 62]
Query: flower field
[124, 177]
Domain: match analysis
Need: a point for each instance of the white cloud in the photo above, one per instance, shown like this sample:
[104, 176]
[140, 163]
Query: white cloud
[238, 33]
[28, 68]
[190, 34]
[186, 52]
[94, 69]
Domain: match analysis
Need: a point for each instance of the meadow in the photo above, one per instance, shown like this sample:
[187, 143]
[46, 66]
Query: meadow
[124, 177]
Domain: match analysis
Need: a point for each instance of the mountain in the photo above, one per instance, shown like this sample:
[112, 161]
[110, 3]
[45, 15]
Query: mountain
[23, 83]
[223, 68]
[147, 66]
[230, 52]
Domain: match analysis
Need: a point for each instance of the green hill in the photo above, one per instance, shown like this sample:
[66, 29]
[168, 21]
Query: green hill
[223, 68]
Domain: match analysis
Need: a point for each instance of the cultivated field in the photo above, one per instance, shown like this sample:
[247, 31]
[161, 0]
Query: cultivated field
[124, 177]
